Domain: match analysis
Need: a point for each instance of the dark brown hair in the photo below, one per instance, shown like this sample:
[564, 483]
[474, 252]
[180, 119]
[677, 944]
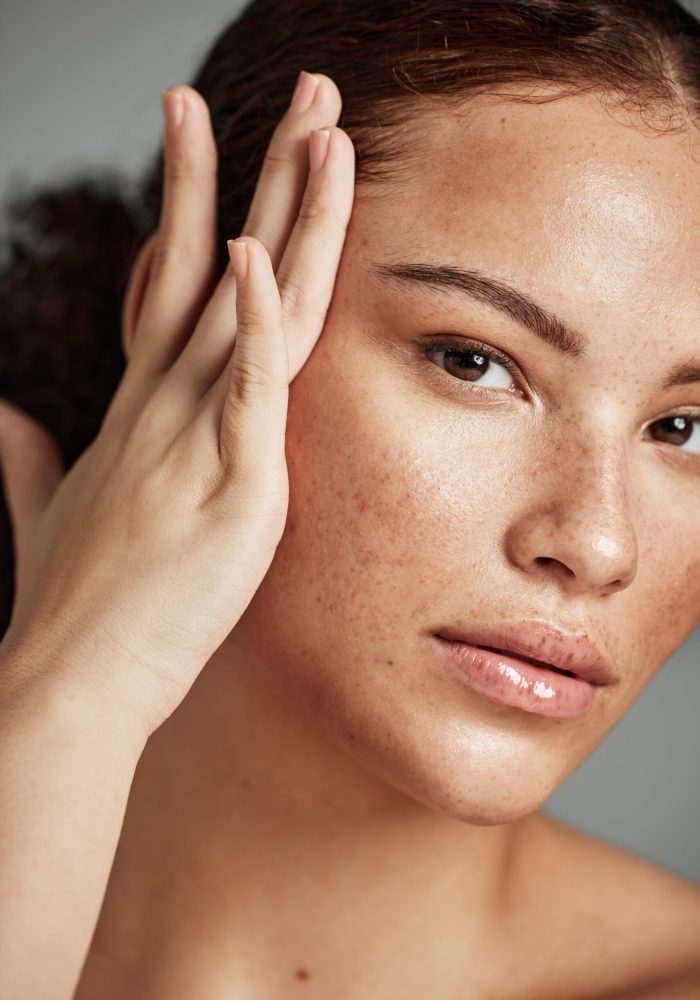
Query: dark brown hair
[68, 251]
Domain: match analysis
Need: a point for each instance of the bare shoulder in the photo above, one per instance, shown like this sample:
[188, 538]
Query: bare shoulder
[635, 924]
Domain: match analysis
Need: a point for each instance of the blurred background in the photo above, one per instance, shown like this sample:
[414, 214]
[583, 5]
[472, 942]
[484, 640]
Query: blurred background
[80, 84]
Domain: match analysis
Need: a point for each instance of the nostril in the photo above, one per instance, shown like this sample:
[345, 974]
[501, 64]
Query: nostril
[551, 561]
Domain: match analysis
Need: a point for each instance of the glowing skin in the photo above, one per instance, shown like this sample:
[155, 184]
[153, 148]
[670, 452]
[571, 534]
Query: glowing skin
[416, 502]
[325, 775]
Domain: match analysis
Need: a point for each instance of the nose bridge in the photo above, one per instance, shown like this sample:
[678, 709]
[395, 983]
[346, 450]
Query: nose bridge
[579, 520]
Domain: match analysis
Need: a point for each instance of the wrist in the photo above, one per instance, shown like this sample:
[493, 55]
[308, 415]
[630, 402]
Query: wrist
[36, 686]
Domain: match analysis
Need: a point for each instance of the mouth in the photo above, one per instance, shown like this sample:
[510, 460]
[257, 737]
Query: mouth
[540, 644]
[530, 659]
[517, 679]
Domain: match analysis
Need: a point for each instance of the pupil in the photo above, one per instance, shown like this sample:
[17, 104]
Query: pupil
[679, 429]
[469, 362]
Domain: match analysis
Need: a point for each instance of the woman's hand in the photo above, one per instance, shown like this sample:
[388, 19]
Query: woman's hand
[134, 568]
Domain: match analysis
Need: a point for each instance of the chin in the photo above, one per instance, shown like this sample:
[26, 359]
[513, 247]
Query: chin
[485, 778]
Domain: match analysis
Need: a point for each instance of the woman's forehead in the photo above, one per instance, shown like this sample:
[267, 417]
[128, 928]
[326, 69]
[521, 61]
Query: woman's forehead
[561, 195]
[568, 158]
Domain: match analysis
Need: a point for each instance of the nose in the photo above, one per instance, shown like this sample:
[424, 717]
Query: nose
[576, 526]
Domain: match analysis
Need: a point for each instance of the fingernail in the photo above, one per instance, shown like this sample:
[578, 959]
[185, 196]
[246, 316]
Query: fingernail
[319, 139]
[238, 255]
[304, 92]
[173, 109]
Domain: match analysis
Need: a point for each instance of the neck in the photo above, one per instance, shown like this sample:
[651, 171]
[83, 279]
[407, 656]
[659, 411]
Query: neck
[248, 833]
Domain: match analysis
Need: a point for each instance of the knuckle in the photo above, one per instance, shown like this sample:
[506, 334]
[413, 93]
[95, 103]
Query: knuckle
[248, 317]
[293, 296]
[312, 211]
[181, 167]
[250, 380]
[298, 303]
[277, 158]
[166, 256]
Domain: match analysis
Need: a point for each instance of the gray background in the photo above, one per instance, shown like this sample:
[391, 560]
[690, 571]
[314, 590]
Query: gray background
[80, 84]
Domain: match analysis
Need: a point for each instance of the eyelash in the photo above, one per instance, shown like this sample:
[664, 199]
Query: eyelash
[465, 346]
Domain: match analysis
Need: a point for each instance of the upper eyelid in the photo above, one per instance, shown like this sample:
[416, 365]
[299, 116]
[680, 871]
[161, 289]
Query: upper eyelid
[466, 345]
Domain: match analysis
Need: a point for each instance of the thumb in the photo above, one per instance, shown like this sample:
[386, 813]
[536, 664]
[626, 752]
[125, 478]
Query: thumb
[32, 470]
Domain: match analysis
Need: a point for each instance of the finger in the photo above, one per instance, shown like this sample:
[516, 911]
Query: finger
[282, 180]
[307, 273]
[32, 471]
[183, 266]
[249, 399]
[271, 218]
[210, 346]
[135, 291]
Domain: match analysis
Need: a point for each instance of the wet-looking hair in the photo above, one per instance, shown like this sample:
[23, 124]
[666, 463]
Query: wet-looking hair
[66, 252]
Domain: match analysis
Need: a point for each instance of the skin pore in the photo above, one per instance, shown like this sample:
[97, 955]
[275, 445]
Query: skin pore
[329, 811]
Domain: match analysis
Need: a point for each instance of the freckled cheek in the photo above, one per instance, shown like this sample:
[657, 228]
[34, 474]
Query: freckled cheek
[350, 530]
[386, 507]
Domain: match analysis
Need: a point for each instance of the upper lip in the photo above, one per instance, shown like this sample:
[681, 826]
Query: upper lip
[542, 641]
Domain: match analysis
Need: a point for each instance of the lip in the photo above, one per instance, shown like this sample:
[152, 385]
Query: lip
[496, 661]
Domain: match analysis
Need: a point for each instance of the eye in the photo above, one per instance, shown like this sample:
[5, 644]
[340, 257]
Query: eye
[680, 429]
[482, 367]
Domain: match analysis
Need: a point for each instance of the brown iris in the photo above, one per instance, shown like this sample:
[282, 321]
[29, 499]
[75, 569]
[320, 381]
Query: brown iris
[679, 428]
[467, 363]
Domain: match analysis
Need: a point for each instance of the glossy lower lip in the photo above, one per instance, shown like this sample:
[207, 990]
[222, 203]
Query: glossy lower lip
[507, 679]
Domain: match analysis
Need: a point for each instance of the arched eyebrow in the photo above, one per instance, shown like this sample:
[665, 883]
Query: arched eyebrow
[501, 295]
[683, 374]
[494, 292]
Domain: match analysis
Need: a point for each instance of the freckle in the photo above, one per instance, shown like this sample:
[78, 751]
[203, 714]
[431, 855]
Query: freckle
[390, 663]
[302, 974]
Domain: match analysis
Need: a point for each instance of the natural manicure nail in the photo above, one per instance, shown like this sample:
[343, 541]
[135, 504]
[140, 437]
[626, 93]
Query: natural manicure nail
[238, 255]
[318, 148]
[304, 92]
[173, 109]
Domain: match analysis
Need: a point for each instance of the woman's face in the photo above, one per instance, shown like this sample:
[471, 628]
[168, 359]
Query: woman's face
[421, 498]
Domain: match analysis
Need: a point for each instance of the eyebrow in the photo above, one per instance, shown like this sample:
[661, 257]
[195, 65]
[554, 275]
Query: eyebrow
[682, 374]
[494, 292]
[499, 294]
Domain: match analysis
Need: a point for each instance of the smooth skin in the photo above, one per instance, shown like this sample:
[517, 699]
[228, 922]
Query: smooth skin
[257, 858]
[133, 568]
[328, 810]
